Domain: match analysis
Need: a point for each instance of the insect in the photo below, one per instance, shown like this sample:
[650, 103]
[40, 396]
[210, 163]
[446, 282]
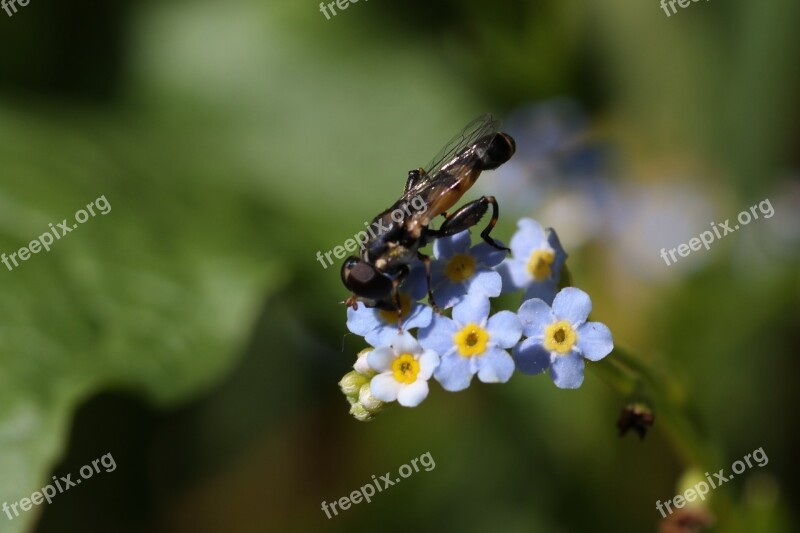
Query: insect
[384, 259]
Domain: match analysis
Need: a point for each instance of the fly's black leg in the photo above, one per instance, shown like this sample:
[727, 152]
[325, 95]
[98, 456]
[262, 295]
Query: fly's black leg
[495, 214]
[396, 295]
[392, 301]
[469, 215]
[413, 178]
[351, 302]
[427, 262]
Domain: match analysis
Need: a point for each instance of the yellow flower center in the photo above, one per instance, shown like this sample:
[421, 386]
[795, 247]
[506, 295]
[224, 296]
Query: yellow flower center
[390, 317]
[560, 337]
[405, 368]
[460, 267]
[540, 264]
[471, 340]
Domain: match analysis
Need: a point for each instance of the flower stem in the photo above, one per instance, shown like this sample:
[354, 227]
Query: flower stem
[636, 380]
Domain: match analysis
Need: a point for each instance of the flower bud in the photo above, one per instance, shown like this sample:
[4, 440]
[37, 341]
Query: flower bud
[361, 364]
[352, 382]
[361, 414]
[370, 402]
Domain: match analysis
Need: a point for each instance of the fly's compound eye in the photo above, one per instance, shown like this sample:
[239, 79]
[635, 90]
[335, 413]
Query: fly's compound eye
[365, 280]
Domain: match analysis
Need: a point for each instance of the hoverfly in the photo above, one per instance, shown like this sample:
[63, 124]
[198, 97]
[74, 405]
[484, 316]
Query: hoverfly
[384, 259]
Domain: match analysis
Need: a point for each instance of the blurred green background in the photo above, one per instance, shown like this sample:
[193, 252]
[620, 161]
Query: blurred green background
[192, 334]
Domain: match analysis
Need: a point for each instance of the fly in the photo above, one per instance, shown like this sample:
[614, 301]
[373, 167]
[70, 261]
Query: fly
[383, 263]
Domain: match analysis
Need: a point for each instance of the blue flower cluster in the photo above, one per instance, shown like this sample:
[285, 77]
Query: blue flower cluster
[549, 331]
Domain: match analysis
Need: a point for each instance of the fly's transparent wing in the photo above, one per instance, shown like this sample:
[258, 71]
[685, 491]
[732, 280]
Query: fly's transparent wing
[436, 180]
[480, 127]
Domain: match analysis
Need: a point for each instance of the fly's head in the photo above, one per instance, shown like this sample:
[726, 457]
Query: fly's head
[365, 281]
[497, 151]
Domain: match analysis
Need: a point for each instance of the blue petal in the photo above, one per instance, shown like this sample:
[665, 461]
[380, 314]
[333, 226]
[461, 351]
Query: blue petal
[545, 290]
[572, 305]
[382, 335]
[514, 274]
[380, 359]
[567, 371]
[594, 340]
[495, 366]
[384, 387]
[449, 294]
[411, 395]
[530, 236]
[473, 308]
[487, 254]
[438, 277]
[415, 284]
[527, 224]
[531, 357]
[504, 329]
[439, 335]
[437, 271]
[447, 247]
[454, 372]
[535, 316]
[485, 282]
[403, 343]
[428, 362]
[561, 255]
[362, 320]
[420, 317]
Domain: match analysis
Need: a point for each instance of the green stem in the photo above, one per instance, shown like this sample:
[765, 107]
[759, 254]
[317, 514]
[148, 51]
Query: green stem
[637, 381]
[631, 377]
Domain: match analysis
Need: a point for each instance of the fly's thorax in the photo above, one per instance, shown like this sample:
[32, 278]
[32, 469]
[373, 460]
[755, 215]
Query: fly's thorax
[395, 255]
[394, 232]
[380, 231]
